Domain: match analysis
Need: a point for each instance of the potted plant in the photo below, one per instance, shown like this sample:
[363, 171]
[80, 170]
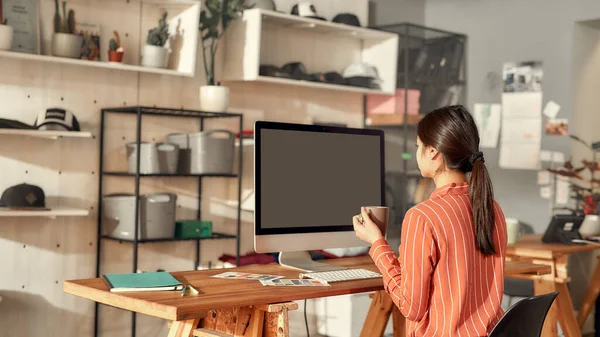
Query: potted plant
[65, 41]
[6, 34]
[115, 51]
[214, 20]
[154, 53]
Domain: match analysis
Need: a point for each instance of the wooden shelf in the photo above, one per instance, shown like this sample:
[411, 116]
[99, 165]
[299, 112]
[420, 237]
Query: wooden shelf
[247, 142]
[46, 133]
[317, 85]
[93, 64]
[52, 213]
[391, 120]
[320, 26]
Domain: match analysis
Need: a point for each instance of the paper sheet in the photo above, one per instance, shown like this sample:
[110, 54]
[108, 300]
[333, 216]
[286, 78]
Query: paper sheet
[545, 155]
[562, 191]
[543, 178]
[545, 192]
[558, 157]
[487, 117]
[520, 145]
[551, 109]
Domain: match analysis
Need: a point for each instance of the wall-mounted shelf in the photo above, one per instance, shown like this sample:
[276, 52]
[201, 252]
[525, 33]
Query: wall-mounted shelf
[45, 133]
[52, 213]
[263, 37]
[214, 175]
[95, 64]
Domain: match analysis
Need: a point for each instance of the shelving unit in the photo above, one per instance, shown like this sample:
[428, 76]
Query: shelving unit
[140, 112]
[52, 212]
[94, 64]
[250, 41]
[431, 74]
[45, 133]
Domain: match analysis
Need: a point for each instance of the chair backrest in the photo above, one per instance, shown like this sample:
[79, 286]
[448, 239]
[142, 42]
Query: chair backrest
[525, 318]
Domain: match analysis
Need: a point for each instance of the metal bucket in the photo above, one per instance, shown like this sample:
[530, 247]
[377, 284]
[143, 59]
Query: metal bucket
[148, 158]
[184, 157]
[212, 152]
[168, 156]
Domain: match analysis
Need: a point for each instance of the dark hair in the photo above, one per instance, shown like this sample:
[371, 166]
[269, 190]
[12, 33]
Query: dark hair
[453, 132]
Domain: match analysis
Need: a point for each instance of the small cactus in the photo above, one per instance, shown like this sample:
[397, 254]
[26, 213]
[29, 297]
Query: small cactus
[115, 43]
[158, 36]
[64, 22]
[71, 22]
[57, 24]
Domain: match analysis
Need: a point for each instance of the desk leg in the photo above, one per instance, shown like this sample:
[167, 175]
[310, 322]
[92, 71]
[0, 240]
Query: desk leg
[378, 315]
[183, 328]
[591, 294]
[567, 319]
[541, 287]
[399, 322]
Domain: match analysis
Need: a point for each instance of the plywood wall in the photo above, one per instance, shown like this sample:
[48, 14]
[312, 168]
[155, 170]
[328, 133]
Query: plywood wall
[38, 254]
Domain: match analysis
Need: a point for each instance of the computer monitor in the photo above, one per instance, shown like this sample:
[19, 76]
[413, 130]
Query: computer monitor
[310, 180]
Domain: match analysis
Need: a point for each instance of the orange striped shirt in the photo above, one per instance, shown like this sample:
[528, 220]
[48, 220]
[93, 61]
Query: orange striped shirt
[441, 282]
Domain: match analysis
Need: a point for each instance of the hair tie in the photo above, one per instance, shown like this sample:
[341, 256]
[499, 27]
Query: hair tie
[475, 157]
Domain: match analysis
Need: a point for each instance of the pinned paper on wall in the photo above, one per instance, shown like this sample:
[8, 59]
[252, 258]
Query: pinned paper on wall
[487, 117]
[522, 76]
[520, 145]
[545, 155]
[545, 192]
[562, 191]
[551, 109]
[543, 178]
[558, 157]
[557, 127]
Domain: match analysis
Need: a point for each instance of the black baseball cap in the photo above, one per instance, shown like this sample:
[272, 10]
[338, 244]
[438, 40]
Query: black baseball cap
[347, 19]
[307, 10]
[23, 196]
[57, 119]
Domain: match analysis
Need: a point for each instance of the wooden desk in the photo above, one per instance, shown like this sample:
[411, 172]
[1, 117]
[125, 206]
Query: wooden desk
[531, 248]
[236, 307]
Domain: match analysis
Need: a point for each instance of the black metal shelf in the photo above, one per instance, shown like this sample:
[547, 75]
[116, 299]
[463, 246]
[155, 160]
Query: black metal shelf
[139, 112]
[168, 112]
[176, 175]
[215, 236]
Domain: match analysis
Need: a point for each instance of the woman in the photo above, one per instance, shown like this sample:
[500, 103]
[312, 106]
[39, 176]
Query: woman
[448, 279]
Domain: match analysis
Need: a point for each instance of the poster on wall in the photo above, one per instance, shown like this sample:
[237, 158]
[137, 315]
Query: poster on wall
[23, 17]
[523, 76]
[521, 135]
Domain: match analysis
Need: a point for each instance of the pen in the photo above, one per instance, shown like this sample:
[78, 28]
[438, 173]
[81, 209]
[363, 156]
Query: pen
[183, 290]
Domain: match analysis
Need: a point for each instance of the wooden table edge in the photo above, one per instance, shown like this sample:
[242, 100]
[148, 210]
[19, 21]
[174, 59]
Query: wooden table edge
[158, 310]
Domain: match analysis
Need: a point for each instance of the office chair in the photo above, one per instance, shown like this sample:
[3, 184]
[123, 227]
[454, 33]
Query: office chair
[525, 318]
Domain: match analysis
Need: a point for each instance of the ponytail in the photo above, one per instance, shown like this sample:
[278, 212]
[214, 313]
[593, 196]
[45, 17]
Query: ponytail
[482, 202]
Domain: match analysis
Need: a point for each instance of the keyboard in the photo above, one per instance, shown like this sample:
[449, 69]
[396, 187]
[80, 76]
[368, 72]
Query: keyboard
[341, 275]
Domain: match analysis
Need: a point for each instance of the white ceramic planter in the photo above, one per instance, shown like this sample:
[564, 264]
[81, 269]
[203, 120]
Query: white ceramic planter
[155, 56]
[66, 45]
[6, 36]
[214, 98]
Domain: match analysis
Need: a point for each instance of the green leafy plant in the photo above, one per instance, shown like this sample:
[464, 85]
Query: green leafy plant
[66, 24]
[215, 17]
[158, 36]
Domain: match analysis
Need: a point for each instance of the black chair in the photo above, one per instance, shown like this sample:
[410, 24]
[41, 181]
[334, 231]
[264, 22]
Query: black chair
[525, 318]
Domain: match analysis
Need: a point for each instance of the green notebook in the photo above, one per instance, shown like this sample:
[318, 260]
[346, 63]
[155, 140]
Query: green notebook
[151, 281]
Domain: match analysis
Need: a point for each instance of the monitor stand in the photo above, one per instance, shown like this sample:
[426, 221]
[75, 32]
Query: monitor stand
[303, 261]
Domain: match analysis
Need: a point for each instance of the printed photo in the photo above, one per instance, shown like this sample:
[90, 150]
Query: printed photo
[557, 127]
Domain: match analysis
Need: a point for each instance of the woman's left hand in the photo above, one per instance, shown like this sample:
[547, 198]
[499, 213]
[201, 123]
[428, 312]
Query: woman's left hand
[366, 230]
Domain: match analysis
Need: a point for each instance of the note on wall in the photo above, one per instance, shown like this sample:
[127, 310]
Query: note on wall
[562, 190]
[543, 178]
[545, 192]
[487, 117]
[520, 145]
[545, 155]
[551, 109]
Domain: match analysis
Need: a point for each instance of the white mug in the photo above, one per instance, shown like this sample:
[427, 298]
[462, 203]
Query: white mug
[513, 230]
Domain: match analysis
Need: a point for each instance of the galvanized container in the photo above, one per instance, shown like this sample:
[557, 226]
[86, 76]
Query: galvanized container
[148, 158]
[184, 158]
[168, 157]
[157, 216]
[212, 152]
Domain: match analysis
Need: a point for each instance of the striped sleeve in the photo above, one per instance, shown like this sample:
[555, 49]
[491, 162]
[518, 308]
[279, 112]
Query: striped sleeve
[407, 278]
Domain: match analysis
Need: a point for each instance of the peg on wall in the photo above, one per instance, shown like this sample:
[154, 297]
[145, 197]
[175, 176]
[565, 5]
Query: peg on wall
[62, 98]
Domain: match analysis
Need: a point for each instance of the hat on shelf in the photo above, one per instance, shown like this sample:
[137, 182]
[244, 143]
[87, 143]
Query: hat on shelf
[330, 77]
[362, 75]
[14, 124]
[297, 71]
[347, 19]
[23, 196]
[272, 71]
[307, 10]
[57, 119]
[263, 4]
